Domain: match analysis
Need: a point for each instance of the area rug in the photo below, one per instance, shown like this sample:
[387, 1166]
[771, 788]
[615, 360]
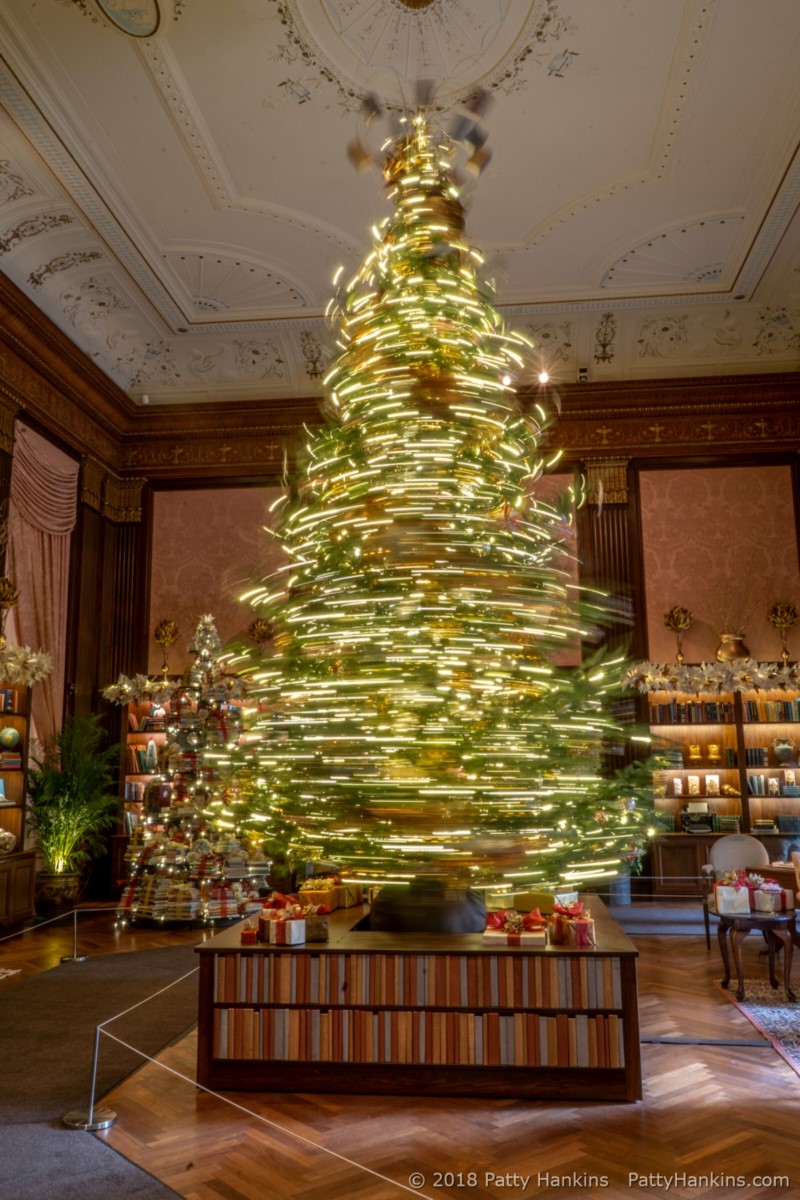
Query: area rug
[773, 1015]
[47, 1027]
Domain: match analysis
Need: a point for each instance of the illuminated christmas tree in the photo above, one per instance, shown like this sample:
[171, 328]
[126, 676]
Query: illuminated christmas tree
[412, 715]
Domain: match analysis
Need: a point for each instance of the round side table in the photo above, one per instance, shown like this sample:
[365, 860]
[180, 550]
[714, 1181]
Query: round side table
[778, 928]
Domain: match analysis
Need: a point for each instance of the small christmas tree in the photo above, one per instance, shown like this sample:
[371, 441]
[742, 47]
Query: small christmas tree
[412, 713]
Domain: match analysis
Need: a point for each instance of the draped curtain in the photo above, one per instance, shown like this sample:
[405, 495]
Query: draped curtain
[41, 516]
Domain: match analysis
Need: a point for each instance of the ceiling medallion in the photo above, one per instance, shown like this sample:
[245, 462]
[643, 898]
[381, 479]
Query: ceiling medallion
[140, 21]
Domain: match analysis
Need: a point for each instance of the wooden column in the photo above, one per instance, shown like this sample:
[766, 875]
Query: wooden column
[8, 415]
[108, 585]
[605, 541]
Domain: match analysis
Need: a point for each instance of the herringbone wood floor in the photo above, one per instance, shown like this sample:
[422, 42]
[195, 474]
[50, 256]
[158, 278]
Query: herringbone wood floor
[719, 1115]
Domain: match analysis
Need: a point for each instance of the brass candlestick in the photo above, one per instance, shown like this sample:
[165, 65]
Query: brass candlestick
[165, 634]
[678, 619]
[783, 616]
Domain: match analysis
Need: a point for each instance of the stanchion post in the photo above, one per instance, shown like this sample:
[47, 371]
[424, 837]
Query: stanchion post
[74, 957]
[94, 1119]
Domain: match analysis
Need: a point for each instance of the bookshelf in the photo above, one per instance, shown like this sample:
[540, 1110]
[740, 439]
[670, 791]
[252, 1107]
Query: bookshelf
[17, 866]
[698, 736]
[735, 753]
[771, 740]
[421, 1014]
[145, 792]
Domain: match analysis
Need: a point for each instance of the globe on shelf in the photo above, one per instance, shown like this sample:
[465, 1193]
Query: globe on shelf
[9, 737]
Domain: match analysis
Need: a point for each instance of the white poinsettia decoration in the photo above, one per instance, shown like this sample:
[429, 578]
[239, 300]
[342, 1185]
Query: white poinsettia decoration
[740, 675]
[20, 664]
[140, 687]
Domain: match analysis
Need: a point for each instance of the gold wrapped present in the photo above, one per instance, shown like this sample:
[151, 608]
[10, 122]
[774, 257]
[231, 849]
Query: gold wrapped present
[350, 894]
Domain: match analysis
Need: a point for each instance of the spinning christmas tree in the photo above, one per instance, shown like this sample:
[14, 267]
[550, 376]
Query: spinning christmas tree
[412, 715]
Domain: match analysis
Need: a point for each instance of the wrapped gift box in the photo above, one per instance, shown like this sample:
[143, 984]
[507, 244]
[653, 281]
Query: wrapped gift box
[511, 928]
[773, 900]
[323, 890]
[290, 932]
[732, 900]
[531, 937]
[563, 914]
[316, 919]
[544, 901]
[316, 929]
[265, 919]
[329, 897]
[349, 894]
[580, 932]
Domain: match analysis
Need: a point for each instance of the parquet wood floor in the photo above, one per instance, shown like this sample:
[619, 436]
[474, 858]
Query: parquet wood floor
[714, 1117]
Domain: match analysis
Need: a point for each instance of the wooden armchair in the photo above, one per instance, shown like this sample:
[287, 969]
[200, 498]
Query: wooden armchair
[737, 851]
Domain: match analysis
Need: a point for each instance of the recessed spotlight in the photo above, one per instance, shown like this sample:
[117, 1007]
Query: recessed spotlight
[543, 377]
[506, 380]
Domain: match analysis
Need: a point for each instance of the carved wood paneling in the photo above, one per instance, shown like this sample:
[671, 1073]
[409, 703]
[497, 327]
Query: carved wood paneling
[729, 416]
[606, 481]
[91, 482]
[122, 498]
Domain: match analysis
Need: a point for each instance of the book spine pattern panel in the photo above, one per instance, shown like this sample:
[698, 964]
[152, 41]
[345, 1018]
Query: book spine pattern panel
[490, 1010]
[410, 981]
[420, 1037]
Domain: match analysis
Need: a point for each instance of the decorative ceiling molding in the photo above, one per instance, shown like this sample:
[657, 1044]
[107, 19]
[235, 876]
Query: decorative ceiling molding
[221, 283]
[675, 106]
[693, 253]
[386, 46]
[209, 162]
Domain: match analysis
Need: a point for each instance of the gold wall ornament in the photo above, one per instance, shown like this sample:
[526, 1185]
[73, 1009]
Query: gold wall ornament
[783, 617]
[165, 635]
[8, 598]
[678, 620]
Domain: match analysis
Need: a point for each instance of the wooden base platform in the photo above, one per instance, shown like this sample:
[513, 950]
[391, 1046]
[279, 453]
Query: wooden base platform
[381, 1013]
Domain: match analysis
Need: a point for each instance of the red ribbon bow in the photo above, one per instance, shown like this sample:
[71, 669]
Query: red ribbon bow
[496, 920]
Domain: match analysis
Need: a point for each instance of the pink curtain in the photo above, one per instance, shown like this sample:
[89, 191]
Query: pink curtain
[42, 513]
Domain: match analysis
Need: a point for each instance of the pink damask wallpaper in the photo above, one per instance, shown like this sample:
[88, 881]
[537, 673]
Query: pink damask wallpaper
[721, 542]
[209, 546]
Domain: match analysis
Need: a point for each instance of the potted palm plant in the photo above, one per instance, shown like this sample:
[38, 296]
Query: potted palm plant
[73, 803]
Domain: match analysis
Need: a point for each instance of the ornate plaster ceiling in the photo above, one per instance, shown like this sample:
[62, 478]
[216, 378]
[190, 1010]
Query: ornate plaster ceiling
[175, 192]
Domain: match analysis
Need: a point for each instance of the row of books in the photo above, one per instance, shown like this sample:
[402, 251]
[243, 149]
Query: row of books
[134, 792]
[771, 710]
[692, 712]
[142, 760]
[146, 724]
[408, 980]
[8, 700]
[482, 1039]
[764, 785]
[756, 756]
